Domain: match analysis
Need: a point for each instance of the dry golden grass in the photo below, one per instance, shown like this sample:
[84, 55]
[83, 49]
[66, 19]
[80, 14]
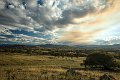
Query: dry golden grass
[24, 66]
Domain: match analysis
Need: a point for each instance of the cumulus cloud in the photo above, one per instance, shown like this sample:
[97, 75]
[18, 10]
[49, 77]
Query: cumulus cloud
[46, 15]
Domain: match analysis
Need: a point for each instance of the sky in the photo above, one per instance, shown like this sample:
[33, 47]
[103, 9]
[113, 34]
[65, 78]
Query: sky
[61, 22]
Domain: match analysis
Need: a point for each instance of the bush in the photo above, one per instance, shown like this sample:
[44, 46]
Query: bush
[71, 72]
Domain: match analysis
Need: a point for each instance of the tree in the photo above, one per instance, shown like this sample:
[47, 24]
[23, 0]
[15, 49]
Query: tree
[100, 60]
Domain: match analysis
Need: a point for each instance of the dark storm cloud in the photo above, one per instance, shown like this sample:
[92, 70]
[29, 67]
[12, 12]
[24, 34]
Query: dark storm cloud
[70, 14]
[4, 19]
[12, 17]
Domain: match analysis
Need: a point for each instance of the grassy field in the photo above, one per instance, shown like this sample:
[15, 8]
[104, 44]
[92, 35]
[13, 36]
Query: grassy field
[26, 67]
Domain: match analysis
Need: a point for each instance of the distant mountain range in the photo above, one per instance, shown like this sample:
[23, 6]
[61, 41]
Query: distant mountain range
[115, 46]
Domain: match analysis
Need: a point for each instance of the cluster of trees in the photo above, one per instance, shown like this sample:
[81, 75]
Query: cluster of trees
[36, 50]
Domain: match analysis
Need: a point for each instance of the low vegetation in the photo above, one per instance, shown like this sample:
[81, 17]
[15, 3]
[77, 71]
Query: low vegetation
[37, 63]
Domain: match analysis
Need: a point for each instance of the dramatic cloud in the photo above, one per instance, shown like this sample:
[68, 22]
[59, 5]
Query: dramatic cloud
[58, 21]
